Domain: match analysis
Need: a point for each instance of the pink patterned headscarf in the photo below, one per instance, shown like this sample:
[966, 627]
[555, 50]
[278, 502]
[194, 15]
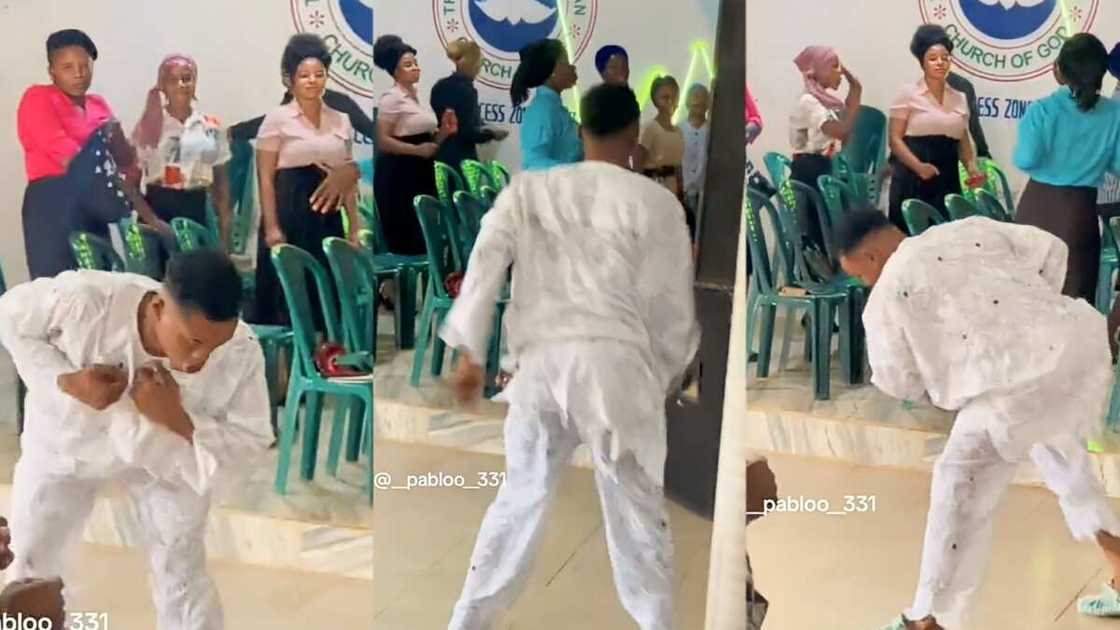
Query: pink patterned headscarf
[150, 126]
[812, 62]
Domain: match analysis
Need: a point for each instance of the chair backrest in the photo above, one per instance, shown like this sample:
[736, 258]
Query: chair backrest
[487, 195]
[866, 148]
[778, 166]
[294, 267]
[141, 248]
[367, 207]
[959, 207]
[839, 197]
[477, 175]
[989, 205]
[191, 235]
[448, 180]
[501, 174]
[429, 212]
[920, 216]
[764, 276]
[244, 208]
[998, 185]
[1113, 230]
[457, 234]
[354, 274]
[471, 210]
[96, 253]
[798, 198]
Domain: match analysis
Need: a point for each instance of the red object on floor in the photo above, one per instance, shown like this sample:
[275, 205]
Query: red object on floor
[453, 284]
[326, 360]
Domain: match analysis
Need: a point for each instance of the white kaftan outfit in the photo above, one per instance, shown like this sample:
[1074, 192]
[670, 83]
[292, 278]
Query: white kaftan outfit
[602, 322]
[971, 313]
[60, 325]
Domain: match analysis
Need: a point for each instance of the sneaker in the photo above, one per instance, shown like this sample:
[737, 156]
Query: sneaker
[1106, 604]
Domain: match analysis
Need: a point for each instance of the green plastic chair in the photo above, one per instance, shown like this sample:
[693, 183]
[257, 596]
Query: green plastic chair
[500, 173]
[1107, 268]
[959, 207]
[839, 197]
[295, 267]
[142, 245]
[866, 147]
[409, 273]
[997, 184]
[778, 166]
[437, 302]
[820, 304]
[478, 175]
[471, 210]
[95, 253]
[191, 235]
[488, 196]
[448, 181]
[920, 216]
[990, 206]
[354, 272]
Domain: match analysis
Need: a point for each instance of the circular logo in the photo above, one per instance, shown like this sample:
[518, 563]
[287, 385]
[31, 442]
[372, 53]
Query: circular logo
[1009, 40]
[504, 27]
[346, 27]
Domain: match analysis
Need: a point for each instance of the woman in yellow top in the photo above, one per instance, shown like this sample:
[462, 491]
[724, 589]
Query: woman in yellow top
[662, 142]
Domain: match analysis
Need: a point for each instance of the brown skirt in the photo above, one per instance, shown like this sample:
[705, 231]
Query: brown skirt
[1070, 213]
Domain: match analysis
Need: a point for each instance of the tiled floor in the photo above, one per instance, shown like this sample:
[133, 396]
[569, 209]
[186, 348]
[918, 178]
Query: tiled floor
[858, 571]
[251, 597]
[418, 575]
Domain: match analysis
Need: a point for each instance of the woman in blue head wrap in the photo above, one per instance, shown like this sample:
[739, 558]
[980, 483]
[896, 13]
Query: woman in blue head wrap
[613, 63]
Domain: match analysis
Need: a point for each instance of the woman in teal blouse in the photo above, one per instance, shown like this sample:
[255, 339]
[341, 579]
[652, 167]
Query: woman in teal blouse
[549, 133]
[1067, 142]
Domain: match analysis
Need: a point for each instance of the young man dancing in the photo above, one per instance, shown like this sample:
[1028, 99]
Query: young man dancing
[161, 388]
[971, 314]
[601, 326]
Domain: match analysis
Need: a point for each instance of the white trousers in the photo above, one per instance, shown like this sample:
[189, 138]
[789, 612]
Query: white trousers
[969, 480]
[540, 437]
[49, 511]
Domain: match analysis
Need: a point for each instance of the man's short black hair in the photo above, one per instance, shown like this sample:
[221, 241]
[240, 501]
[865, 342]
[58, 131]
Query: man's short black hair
[67, 38]
[857, 226]
[205, 281]
[608, 109]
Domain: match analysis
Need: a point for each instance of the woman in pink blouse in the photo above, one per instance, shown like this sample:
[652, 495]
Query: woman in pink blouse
[929, 130]
[408, 136]
[295, 142]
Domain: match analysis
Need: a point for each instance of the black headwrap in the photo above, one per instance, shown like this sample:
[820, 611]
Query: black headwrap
[538, 62]
[387, 52]
[927, 36]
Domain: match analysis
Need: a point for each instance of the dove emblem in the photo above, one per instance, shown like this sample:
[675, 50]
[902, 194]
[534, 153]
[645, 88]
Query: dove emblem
[516, 11]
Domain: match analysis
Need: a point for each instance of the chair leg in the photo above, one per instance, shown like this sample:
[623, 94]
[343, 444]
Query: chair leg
[768, 313]
[312, 421]
[338, 428]
[821, 332]
[406, 309]
[438, 346]
[787, 336]
[1113, 419]
[422, 342]
[288, 436]
[354, 429]
[857, 336]
[368, 439]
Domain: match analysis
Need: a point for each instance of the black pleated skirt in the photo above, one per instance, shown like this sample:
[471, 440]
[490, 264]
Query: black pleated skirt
[397, 180]
[940, 151]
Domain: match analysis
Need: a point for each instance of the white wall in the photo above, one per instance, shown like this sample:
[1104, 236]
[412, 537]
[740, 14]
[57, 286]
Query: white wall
[873, 38]
[654, 37]
[237, 46]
